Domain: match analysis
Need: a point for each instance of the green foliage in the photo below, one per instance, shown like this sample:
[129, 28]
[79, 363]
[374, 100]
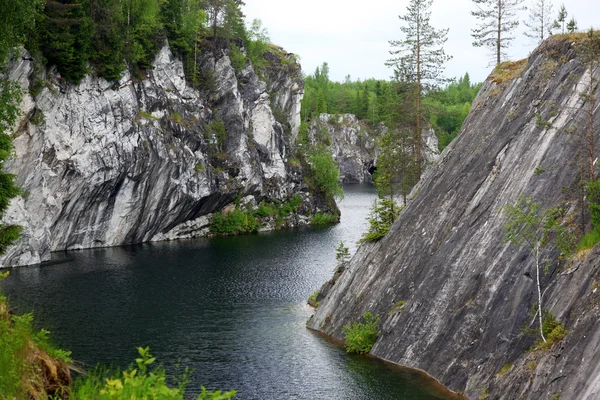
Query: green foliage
[312, 300]
[17, 17]
[323, 219]
[238, 59]
[361, 336]
[235, 222]
[257, 44]
[142, 381]
[342, 254]
[589, 240]
[504, 370]
[553, 330]
[533, 228]
[498, 19]
[592, 189]
[383, 214]
[21, 346]
[324, 172]
[64, 36]
[218, 130]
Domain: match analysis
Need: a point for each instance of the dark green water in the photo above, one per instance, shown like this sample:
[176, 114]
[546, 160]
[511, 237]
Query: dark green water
[232, 309]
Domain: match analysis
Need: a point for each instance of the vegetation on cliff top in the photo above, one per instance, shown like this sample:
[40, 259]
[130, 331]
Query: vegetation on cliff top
[115, 35]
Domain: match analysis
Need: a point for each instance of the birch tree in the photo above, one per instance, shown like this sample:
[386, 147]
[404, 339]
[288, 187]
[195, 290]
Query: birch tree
[420, 56]
[531, 228]
[498, 20]
[540, 22]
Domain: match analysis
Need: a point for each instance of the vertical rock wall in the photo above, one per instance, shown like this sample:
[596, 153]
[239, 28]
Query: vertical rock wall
[105, 164]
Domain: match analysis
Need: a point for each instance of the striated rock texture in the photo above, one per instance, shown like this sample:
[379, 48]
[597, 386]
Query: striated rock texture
[468, 294]
[355, 145]
[105, 164]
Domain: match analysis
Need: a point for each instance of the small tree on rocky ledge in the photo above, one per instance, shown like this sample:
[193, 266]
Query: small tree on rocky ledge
[531, 228]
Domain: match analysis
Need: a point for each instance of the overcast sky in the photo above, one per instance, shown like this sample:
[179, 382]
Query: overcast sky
[352, 36]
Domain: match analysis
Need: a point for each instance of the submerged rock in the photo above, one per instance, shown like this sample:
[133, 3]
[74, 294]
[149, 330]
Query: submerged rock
[104, 163]
[466, 293]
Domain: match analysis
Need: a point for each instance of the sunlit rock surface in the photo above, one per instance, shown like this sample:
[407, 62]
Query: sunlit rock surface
[104, 163]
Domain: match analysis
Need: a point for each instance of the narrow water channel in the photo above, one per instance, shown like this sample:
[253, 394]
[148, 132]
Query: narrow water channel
[232, 309]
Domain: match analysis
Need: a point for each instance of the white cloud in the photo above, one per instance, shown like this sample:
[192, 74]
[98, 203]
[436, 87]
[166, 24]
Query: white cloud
[353, 36]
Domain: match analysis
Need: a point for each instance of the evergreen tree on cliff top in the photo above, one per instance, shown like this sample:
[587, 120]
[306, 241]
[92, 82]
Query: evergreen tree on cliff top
[419, 57]
[498, 21]
[540, 22]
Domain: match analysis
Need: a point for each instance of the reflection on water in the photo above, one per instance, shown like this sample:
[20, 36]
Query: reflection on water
[232, 309]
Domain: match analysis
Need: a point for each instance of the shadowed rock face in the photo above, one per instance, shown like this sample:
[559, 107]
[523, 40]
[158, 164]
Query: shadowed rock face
[104, 164]
[467, 293]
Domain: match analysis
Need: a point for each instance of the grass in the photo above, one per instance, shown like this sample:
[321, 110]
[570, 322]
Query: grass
[589, 240]
[508, 71]
[504, 370]
[361, 336]
[396, 307]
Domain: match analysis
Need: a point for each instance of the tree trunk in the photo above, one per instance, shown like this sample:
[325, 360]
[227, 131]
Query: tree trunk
[418, 135]
[499, 32]
[537, 268]
[591, 100]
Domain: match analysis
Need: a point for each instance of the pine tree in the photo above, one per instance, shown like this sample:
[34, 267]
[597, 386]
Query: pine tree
[562, 18]
[572, 26]
[540, 21]
[65, 35]
[419, 58]
[107, 40]
[498, 22]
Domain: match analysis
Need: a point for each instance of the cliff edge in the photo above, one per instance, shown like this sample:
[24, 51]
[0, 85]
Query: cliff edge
[109, 163]
[465, 293]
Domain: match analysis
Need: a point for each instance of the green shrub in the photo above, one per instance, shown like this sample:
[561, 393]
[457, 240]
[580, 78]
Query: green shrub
[324, 172]
[383, 214]
[553, 330]
[237, 57]
[323, 219]
[312, 300]
[234, 222]
[360, 337]
[137, 382]
[589, 240]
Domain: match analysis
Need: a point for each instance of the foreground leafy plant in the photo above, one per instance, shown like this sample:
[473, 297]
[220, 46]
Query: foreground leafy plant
[137, 382]
[360, 337]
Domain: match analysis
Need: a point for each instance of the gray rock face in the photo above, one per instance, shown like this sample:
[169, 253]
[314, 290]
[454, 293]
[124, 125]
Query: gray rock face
[351, 143]
[105, 164]
[354, 145]
[467, 293]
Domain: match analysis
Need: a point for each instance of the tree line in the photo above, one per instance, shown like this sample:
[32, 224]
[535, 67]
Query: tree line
[110, 36]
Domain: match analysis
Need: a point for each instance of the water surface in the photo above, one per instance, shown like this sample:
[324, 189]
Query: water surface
[232, 309]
